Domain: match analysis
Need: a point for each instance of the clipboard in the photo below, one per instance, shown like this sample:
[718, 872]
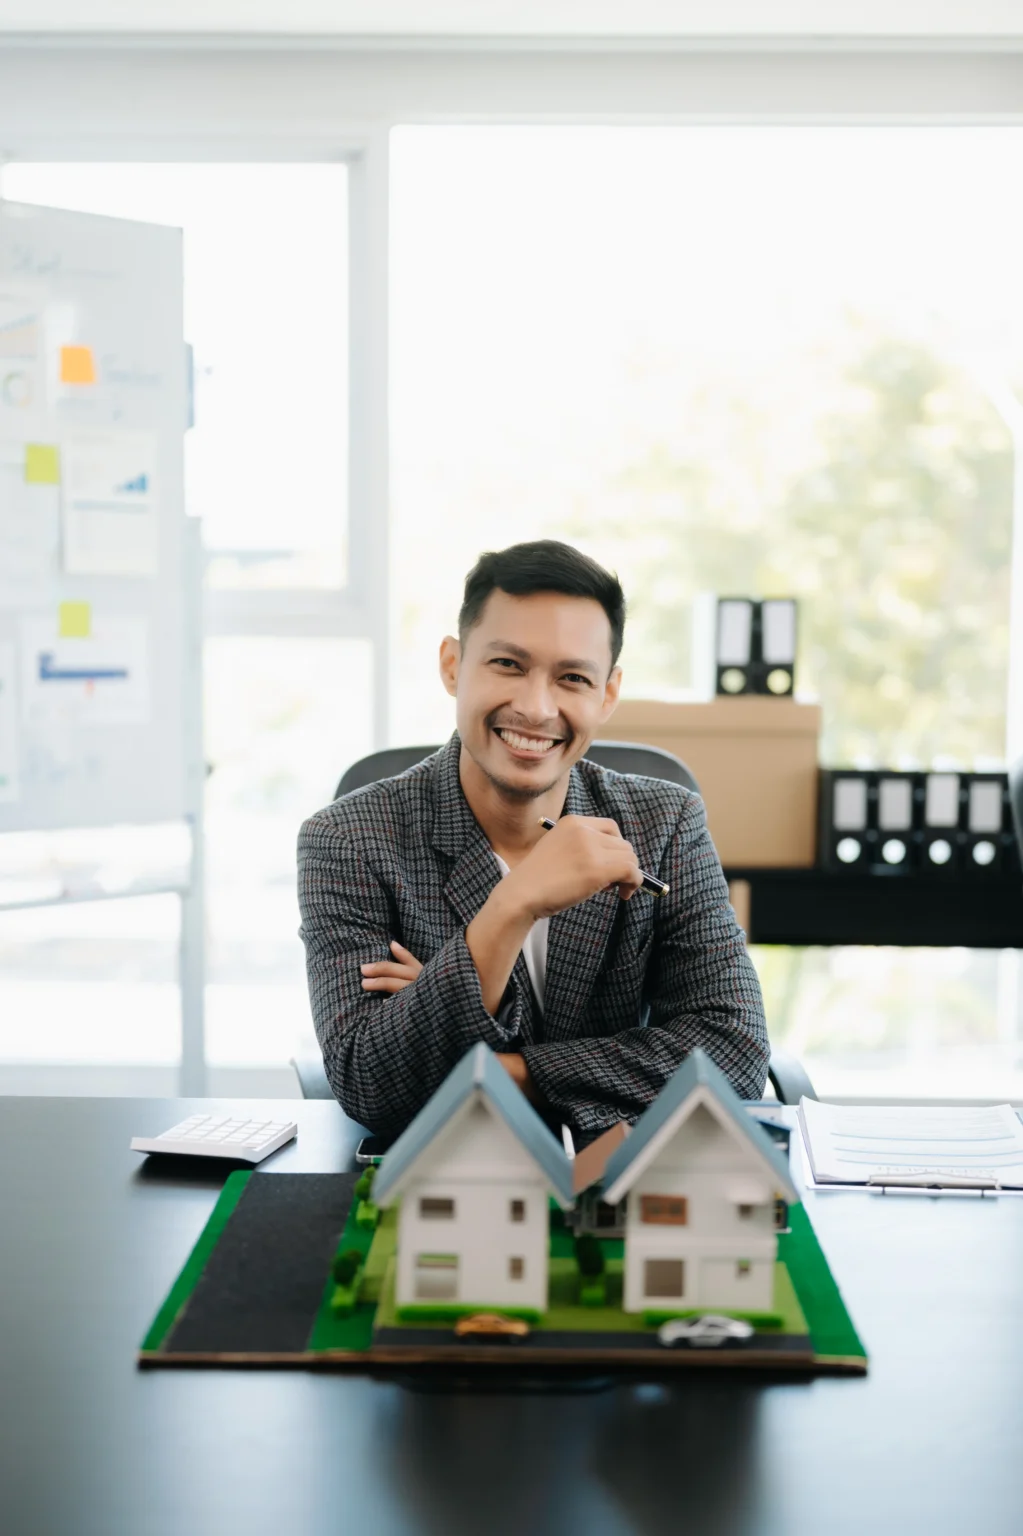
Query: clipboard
[918, 1182]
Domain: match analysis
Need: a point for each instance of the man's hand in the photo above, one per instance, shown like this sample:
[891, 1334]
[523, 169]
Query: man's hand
[391, 975]
[581, 856]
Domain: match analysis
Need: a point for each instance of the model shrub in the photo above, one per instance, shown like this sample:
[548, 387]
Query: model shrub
[346, 1266]
[589, 1256]
[364, 1186]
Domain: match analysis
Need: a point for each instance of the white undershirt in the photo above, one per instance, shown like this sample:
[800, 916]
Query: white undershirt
[534, 950]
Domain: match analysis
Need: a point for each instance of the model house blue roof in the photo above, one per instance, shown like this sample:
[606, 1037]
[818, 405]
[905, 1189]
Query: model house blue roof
[479, 1074]
[696, 1072]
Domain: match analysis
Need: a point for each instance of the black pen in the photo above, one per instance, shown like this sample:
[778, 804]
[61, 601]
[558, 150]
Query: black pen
[649, 883]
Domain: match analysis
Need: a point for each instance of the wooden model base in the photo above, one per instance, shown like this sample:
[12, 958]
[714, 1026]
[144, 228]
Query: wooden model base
[256, 1292]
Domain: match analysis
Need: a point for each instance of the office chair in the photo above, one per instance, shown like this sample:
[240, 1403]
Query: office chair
[620, 756]
[787, 1075]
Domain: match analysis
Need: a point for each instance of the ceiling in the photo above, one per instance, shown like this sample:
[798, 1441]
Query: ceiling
[942, 22]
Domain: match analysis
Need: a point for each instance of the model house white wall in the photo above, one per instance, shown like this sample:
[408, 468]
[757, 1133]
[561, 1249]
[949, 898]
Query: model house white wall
[700, 1226]
[473, 1224]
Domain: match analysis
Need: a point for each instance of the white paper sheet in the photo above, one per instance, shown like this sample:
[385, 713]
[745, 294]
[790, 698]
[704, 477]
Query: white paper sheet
[9, 781]
[102, 680]
[29, 534]
[847, 1144]
[110, 506]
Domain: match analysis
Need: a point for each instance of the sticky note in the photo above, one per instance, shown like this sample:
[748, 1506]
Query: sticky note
[77, 366]
[75, 621]
[42, 464]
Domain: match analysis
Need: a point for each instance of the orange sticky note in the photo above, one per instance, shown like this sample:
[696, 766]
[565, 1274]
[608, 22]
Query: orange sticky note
[74, 621]
[77, 365]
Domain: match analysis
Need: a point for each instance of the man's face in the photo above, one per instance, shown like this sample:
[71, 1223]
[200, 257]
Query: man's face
[533, 684]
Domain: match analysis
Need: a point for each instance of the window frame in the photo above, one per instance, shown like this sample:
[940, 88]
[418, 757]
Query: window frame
[672, 1295]
[437, 1208]
[660, 1210]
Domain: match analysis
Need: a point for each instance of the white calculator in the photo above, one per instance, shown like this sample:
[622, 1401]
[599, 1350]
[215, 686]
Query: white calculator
[243, 1139]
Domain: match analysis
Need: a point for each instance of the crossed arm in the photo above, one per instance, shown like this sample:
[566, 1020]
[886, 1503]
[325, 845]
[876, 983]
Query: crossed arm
[395, 975]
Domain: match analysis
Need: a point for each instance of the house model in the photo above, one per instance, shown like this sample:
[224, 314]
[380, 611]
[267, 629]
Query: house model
[473, 1172]
[707, 1191]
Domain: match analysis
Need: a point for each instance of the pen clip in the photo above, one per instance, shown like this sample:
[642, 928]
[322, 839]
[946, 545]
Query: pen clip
[932, 1181]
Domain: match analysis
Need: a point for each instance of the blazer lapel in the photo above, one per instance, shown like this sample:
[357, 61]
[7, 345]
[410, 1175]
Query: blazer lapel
[474, 872]
[577, 942]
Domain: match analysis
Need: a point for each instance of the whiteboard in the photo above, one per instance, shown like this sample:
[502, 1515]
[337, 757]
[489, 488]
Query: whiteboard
[96, 599]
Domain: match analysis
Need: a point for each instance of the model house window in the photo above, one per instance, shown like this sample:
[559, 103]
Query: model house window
[436, 1276]
[745, 1211]
[606, 1215]
[781, 1214]
[663, 1277]
[743, 1268]
[516, 1269]
[664, 1210]
[433, 1209]
[517, 1210]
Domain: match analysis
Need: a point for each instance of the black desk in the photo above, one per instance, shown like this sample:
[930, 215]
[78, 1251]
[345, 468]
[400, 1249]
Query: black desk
[930, 1442]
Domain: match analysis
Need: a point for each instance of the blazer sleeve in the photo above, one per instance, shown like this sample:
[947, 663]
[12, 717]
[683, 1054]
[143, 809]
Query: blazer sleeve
[702, 990]
[384, 1055]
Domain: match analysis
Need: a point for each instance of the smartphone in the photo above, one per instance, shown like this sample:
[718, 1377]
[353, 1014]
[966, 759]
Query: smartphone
[371, 1149]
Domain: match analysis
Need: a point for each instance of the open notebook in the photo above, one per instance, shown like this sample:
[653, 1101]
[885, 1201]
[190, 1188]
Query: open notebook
[951, 1148]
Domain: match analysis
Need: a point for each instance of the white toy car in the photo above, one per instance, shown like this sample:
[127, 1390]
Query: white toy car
[705, 1332]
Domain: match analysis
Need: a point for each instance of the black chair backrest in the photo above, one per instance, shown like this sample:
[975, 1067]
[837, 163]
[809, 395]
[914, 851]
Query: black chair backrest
[380, 765]
[620, 756]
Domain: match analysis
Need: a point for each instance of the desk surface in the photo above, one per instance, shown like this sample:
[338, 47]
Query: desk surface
[91, 1238]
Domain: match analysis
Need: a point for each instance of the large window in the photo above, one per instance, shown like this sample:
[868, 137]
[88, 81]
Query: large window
[266, 313]
[759, 360]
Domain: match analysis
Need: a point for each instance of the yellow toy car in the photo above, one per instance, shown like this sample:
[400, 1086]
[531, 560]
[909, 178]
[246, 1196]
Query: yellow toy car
[491, 1325]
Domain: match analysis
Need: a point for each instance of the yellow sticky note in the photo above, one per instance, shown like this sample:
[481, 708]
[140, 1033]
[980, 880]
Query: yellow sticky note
[77, 365]
[75, 621]
[42, 464]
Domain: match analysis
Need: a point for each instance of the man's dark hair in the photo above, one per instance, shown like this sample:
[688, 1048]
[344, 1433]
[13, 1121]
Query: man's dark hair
[545, 565]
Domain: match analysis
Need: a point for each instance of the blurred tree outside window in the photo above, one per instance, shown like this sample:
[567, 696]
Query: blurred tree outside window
[743, 360]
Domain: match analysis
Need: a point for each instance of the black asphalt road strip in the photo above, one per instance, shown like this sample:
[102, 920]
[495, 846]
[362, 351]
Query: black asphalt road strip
[261, 1288]
[582, 1343]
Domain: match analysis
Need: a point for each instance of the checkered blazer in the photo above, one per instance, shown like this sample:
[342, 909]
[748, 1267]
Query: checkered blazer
[631, 987]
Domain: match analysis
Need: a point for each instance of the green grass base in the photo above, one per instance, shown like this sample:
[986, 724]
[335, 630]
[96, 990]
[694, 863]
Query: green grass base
[806, 1297]
[354, 1331]
[830, 1326]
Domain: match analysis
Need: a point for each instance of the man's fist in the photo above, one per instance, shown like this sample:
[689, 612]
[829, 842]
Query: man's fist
[583, 855]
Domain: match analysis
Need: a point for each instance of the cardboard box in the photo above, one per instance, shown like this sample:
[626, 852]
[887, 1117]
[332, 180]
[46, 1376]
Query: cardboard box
[755, 760]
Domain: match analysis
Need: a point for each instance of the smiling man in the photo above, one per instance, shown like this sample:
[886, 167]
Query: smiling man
[437, 912]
